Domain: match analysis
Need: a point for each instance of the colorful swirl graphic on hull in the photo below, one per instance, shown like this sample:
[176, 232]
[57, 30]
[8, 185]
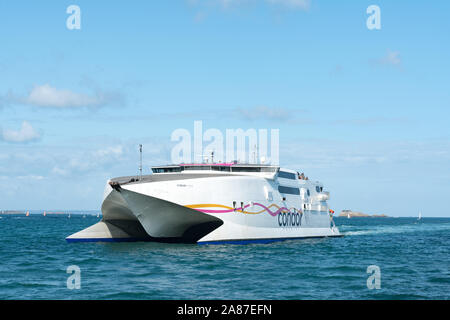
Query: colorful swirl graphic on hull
[226, 209]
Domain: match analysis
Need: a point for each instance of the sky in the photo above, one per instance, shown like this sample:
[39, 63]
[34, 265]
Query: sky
[363, 111]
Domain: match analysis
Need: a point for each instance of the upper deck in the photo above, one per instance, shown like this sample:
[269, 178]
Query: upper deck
[232, 167]
[220, 167]
[209, 170]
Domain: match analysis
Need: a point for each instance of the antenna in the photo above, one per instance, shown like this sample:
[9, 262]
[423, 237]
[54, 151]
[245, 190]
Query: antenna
[140, 163]
[205, 157]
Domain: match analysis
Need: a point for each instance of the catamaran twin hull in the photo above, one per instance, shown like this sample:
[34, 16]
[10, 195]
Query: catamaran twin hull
[212, 204]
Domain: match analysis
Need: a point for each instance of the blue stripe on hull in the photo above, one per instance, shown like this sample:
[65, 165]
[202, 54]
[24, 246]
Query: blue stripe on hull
[262, 241]
[104, 240]
[219, 242]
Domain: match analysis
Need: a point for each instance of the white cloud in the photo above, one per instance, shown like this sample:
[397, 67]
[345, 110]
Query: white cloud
[392, 58]
[265, 113]
[31, 177]
[26, 134]
[368, 121]
[60, 172]
[115, 151]
[293, 4]
[89, 161]
[48, 96]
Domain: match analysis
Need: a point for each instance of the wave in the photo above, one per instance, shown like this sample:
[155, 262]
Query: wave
[385, 229]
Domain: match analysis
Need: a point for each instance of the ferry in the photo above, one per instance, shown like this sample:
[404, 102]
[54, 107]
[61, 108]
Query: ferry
[213, 203]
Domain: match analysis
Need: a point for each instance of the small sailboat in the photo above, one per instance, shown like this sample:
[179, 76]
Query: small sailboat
[420, 216]
[69, 216]
[348, 215]
[98, 215]
[28, 214]
[45, 213]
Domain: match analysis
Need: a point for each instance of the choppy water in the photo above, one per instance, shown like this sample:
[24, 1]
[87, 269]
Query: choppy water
[414, 259]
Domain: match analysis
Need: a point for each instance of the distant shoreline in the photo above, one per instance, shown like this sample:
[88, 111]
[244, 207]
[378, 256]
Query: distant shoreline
[355, 214]
[49, 212]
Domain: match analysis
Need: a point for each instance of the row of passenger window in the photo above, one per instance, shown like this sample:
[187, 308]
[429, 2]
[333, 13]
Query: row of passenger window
[214, 168]
[289, 190]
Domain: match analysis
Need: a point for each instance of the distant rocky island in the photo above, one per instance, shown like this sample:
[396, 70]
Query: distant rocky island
[351, 214]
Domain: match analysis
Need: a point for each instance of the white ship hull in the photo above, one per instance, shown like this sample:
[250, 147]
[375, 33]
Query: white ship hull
[211, 207]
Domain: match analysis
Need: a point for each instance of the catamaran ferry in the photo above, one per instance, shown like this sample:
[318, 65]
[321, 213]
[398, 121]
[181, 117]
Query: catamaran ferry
[211, 204]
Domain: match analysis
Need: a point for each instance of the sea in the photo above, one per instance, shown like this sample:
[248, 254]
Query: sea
[378, 258]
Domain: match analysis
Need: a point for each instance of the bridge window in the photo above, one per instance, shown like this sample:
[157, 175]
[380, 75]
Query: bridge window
[286, 175]
[220, 168]
[197, 168]
[246, 169]
[166, 170]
